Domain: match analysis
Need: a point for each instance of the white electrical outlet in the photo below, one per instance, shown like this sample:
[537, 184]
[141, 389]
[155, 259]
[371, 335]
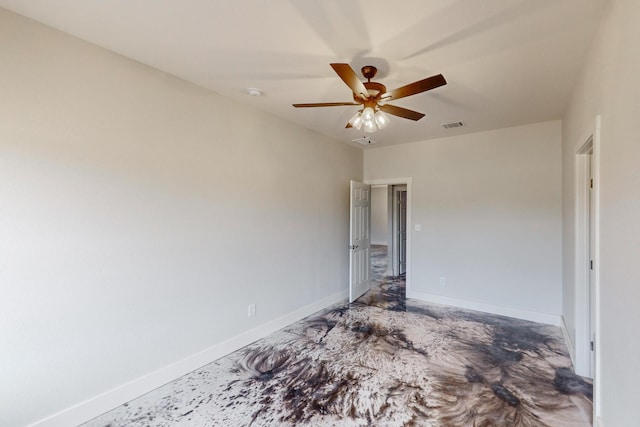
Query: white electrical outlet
[443, 281]
[251, 311]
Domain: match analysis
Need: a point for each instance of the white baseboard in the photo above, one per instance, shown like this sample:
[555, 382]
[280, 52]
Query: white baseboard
[549, 319]
[567, 339]
[115, 397]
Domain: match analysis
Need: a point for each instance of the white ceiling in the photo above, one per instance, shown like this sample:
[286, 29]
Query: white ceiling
[507, 62]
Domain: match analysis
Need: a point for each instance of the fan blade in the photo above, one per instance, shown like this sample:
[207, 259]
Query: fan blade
[348, 126]
[324, 104]
[401, 112]
[346, 73]
[415, 87]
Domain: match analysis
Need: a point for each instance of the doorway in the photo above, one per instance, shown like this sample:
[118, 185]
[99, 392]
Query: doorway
[585, 269]
[391, 222]
[587, 261]
[586, 284]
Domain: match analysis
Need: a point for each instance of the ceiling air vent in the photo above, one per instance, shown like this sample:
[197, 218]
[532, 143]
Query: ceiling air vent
[452, 125]
[365, 140]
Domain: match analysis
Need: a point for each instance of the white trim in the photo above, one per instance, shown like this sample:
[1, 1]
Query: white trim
[597, 411]
[568, 341]
[594, 136]
[599, 422]
[91, 408]
[581, 304]
[408, 182]
[549, 319]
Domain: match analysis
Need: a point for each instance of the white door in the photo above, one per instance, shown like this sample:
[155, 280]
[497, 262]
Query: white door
[592, 280]
[359, 241]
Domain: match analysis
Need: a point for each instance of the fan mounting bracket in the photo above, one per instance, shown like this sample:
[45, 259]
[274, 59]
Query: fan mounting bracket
[369, 71]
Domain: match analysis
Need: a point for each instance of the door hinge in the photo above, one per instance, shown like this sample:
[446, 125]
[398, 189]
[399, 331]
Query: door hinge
[591, 182]
[591, 345]
[590, 264]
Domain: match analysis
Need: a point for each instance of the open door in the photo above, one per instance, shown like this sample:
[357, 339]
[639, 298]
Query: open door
[592, 274]
[359, 240]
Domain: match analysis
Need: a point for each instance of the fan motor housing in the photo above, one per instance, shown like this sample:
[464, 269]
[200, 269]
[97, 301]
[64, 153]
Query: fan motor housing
[375, 90]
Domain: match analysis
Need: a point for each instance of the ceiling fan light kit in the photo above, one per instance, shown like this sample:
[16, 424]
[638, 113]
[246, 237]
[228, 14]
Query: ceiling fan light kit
[370, 120]
[373, 97]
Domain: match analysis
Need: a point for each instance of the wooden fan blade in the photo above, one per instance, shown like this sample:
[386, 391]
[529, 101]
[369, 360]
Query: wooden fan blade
[415, 87]
[346, 73]
[324, 104]
[401, 112]
[348, 126]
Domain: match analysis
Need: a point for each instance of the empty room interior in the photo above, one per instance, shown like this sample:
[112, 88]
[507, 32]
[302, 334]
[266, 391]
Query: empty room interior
[200, 223]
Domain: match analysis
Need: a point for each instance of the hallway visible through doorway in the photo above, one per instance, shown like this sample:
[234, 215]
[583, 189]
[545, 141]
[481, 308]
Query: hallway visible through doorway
[386, 291]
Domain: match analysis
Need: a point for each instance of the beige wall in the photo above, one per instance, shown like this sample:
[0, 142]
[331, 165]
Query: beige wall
[140, 215]
[490, 208]
[609, 87]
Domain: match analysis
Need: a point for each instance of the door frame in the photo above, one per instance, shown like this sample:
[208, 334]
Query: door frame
[584, 158]
[589, 144]
[394, 235]
[401, 181]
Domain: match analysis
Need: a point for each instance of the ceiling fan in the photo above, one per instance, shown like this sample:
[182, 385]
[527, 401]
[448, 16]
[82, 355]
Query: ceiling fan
[373, 97]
